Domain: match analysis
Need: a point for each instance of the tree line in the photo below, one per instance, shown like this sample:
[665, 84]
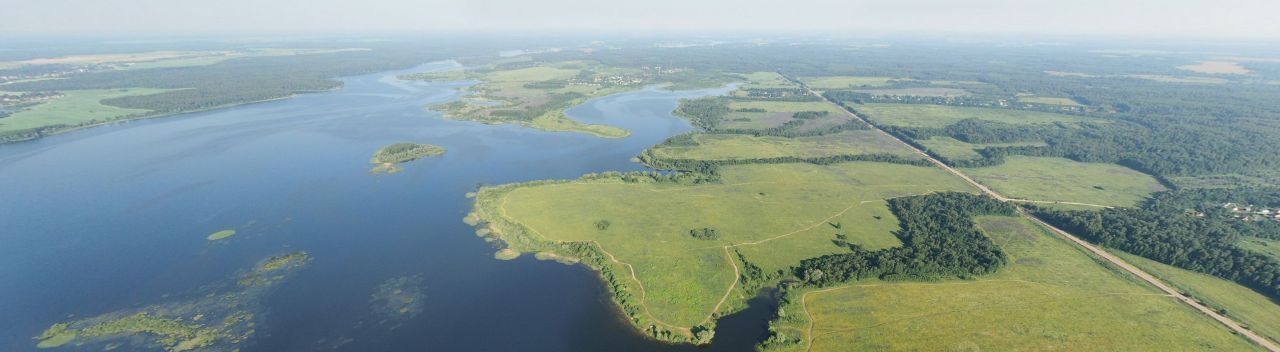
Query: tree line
[939, 239]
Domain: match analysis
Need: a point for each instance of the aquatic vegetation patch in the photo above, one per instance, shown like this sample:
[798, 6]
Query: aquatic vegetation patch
[218, 317]
[398, 299]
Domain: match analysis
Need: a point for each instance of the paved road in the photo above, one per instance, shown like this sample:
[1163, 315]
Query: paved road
[1120, 263]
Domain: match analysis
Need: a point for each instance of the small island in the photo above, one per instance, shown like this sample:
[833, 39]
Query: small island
[221, 235]
[388, 158]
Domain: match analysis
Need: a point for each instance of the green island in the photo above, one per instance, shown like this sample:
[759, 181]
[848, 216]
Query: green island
[221, 235]
[390, 157]
[871, 245]
[217, 318]
[536, 94]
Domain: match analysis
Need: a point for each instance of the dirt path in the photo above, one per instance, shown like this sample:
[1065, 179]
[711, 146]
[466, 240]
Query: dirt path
[1228, 322]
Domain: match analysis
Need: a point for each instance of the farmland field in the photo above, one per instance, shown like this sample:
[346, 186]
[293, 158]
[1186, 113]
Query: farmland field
[740, 146]
[1049, 100]
[76, 107]
[777, 113]
[921, 115]
[1052, 296]
[1064, 180]
[954, 149]
[1260, 313]
[684, 277]
[845, 82]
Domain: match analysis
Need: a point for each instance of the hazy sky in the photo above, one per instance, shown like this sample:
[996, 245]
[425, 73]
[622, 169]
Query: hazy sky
[1252, 19]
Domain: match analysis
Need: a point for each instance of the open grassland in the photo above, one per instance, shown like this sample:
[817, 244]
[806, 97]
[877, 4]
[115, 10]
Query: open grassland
[1259, 313]
[1216, 67]
[1181, 79]
[845, 82]
[1052, 296]
[1065, 180]
[1270, 248]
[75, 108]
[777, 113]
[1049, 101]
[686, 279]
[741, 146]
[955, 149]
[923, 115]
[766, 80]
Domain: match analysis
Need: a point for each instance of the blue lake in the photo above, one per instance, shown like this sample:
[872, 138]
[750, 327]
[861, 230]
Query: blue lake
[115, 218]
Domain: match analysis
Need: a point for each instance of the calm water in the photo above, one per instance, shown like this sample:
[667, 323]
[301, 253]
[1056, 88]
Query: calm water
[116, 217]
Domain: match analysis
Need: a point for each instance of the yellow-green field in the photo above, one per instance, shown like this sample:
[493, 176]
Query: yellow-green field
[757, 208]
[1065, 180]
[1182, 79]
[1049, 101]
[1259, 313]
[845, 82]
[780, 112]
[740, 146]
[955, 149]
[76, 107]
[1052, 296]
[924, 115]
[766, 80]
[1270, 248]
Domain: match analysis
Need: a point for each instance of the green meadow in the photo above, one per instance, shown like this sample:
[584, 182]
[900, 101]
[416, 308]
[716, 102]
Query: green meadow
[75, 108]
[740, 146]
[845, 82]
[955, 149]
[1259, 313]
[1051, 297]
[775, 214]
[924, 115]
[1065, 180]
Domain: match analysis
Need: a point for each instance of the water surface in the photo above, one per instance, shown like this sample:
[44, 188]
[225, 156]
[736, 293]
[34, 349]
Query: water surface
[116, 217]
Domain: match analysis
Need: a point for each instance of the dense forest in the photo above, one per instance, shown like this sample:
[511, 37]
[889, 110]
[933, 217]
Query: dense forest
[939, 239]
[1189, 229]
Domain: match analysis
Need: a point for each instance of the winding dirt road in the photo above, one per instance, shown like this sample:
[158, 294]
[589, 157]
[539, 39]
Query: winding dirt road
[1120, 263]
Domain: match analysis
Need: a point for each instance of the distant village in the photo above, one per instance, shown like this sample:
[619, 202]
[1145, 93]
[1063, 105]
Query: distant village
[646, 75]
[1252, 213]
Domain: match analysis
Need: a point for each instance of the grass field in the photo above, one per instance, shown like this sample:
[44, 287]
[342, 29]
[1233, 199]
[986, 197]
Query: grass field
[954, 149]
[778, 113]
[1270, 248]
[1216, 67]
[1049, 101]
[740, 146]
[1259, 313]
[76, 107]
[922, 115]
[776, 214]
[845, 82]
[1182, 79]
[766, 80]
[1052, 296]
[1064, 180]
